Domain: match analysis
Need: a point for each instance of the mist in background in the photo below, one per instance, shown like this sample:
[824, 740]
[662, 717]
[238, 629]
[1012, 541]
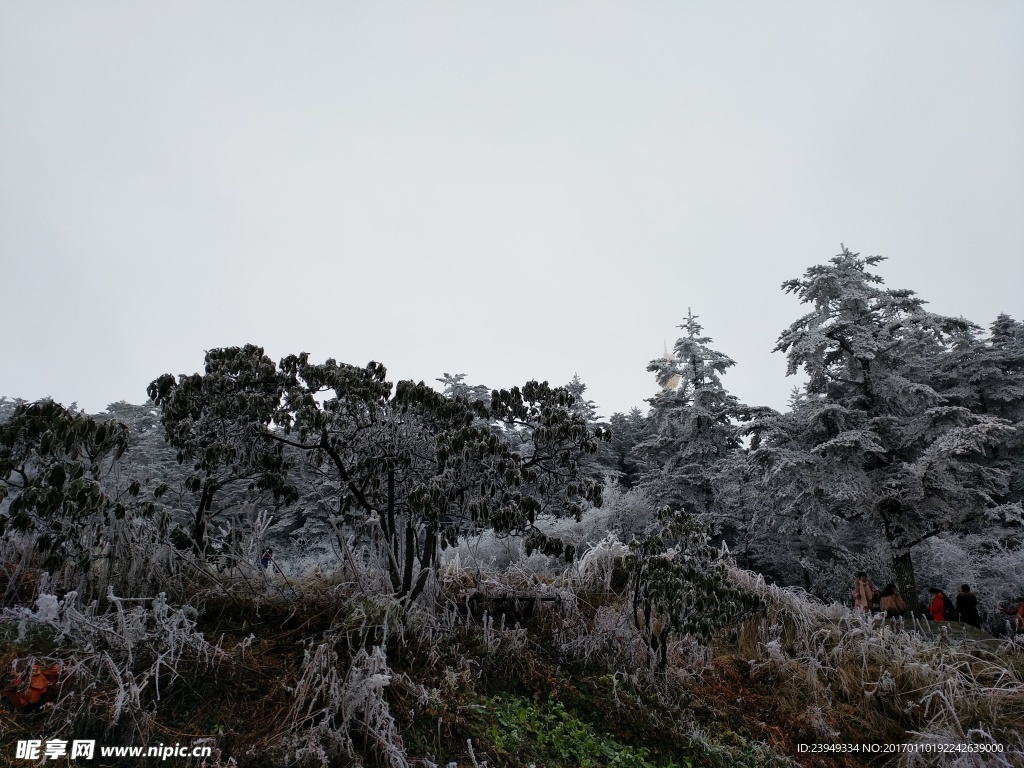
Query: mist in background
[506, 191]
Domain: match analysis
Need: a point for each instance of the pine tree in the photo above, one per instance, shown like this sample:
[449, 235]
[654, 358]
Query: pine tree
[876, 439]
[690, 429]
[456, 386]
[581, 405]
[617, 458]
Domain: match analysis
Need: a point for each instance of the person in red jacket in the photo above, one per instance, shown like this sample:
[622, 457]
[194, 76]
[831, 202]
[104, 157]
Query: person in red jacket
[937, 606]
[1017, 613]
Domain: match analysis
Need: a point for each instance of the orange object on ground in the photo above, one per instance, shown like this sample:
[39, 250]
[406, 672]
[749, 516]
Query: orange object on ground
[42, 680]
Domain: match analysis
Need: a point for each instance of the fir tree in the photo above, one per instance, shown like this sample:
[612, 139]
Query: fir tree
[875, 439]
[581, 405]
[689, 430]
[617, 458]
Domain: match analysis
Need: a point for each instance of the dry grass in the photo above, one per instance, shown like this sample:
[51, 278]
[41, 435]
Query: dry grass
[325, 673]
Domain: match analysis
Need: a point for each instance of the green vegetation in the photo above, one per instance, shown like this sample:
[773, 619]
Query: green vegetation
[547, 734]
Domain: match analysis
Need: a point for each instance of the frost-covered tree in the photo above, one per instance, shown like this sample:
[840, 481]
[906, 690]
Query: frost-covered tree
[617, 458]
[456, 386]
[215, 421]
[590, 464]
[410, 467]
[679, 584]
[52, 462]
[690, 428]
[581, 405]
[986, 375]
[875, 438]
[792, 500]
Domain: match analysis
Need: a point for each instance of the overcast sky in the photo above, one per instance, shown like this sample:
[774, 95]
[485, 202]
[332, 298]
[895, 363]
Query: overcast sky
[507, 190]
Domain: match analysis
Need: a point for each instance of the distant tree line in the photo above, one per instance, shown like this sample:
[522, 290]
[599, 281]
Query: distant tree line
[910, 426]
[907, 431]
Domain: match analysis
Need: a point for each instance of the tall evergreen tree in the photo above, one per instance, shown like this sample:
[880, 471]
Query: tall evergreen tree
[690, 429]
[986, 374]
[581, 405]
[617, 458]
[794, 499]
[886, 445]
[456, 386]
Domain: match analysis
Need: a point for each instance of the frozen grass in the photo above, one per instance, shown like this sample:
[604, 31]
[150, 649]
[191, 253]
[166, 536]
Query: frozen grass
[890, 679]
[345, 675]
[329, 708]
[115, 660]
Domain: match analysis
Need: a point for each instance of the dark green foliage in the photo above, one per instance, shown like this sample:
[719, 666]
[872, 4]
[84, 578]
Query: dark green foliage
[214, 421]
[51, 464]
[552, 736]
[680, 585]
[413, 468]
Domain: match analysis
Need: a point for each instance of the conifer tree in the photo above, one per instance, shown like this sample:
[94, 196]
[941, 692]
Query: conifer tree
[617, 458]
[877, 440]
[456, 386]
[581, 405]
[690, 429]
[986, 374]
[794, 499]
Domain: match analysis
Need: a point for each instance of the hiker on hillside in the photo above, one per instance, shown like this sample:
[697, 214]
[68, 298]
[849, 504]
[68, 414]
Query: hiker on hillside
[267, 559]
[865, 594]
[940, 605]
[890, 603]
[1017, 612]
[967, 606]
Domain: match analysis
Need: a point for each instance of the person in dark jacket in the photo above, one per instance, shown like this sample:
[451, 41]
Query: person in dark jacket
[891, 604]
[967, 606]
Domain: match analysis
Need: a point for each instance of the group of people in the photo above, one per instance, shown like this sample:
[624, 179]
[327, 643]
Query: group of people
[939, 607]
[866, 597]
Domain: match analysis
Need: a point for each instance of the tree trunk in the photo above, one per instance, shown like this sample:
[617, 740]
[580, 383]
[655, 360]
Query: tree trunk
[199, 522]
[805, 575]
[903, 571]
[391, 533]
[426, 561]
[409, 563]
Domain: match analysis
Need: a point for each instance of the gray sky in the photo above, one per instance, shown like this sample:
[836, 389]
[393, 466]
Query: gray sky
[509, 190]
